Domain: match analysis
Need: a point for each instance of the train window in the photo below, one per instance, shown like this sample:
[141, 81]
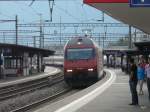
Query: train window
[76, 54]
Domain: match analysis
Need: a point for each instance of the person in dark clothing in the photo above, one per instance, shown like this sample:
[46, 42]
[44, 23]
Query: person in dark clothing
[133, 82]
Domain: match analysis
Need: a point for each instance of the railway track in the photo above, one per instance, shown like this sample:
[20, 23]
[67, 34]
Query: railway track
[42, 101]
[33, 105]
[24, 88]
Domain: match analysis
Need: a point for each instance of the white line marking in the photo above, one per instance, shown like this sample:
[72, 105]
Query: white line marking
[73, 106]
[28, 78]
[120, 83]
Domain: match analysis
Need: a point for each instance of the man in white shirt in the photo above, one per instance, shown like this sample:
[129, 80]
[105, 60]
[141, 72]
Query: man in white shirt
[147, 71]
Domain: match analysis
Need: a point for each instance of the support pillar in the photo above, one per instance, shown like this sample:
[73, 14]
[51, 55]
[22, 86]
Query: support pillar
[121, 61]
[114, 59]
[127, 66]
[31, 69]
[38, 63]
[0, 66]
[130, 37]
[107, 60]
[42, 64]
[146, 58]
[138, 58]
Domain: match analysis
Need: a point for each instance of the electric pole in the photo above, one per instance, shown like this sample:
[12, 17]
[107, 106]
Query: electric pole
[16, 21]
[41, 31]
[130, 37]
[60, 30]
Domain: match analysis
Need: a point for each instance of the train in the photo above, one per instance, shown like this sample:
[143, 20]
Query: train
[83, 62]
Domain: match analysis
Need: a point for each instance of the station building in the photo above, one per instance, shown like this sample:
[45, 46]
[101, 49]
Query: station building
[18, 60]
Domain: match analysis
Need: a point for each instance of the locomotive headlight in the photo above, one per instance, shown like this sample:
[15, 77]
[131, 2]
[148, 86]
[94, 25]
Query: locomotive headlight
[90, 69]
[69, 70]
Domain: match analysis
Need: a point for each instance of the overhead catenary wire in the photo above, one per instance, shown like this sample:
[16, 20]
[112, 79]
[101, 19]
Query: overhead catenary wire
[69, 14]
[33, 10]
[77, 8]
[5, 15]
[31, 2]
[51, 5]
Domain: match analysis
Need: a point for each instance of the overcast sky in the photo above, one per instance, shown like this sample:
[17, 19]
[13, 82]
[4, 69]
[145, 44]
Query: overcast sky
[67, 10]
[70, 11]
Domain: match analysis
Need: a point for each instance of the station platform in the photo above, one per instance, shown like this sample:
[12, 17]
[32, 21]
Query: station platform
[112, 94]
[16, 80]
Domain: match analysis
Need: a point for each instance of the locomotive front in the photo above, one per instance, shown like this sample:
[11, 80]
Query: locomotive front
[80, 62]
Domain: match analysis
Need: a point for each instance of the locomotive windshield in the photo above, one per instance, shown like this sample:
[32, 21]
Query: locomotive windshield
[77, 54]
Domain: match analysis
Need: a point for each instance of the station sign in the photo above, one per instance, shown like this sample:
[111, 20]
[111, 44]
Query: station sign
[139, 3]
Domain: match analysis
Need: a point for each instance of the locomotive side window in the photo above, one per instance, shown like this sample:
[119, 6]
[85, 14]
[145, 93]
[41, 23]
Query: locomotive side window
[77, 54]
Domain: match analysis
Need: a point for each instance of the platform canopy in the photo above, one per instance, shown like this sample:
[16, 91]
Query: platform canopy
[16, 50]
[138, 17]
[144, 46]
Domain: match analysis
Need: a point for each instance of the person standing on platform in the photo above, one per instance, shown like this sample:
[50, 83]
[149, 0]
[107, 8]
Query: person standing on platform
[147, 71]
[133, 82]
[141, 76]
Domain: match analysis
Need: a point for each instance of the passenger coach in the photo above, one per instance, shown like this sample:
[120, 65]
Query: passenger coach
[83, 61]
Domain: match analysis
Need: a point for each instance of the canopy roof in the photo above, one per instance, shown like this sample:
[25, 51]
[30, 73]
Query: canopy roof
[138, 17]
[16, 50]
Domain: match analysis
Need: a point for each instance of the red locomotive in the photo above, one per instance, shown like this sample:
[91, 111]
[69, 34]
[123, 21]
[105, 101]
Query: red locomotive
[83, 61]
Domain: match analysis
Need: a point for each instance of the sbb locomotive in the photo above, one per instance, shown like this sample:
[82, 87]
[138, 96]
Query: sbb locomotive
[83, 62]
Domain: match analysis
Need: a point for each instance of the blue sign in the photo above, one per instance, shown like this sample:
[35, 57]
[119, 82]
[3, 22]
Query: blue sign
[140, 3]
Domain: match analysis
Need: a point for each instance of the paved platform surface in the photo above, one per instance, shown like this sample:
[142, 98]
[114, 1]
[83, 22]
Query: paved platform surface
[114, 99]
[15, 80]
[117, 97]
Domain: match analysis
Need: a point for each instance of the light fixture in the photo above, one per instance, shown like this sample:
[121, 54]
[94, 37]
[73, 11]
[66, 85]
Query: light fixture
[69, 70]
[90, 69]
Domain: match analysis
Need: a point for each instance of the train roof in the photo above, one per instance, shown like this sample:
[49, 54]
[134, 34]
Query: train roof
[81, 40]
